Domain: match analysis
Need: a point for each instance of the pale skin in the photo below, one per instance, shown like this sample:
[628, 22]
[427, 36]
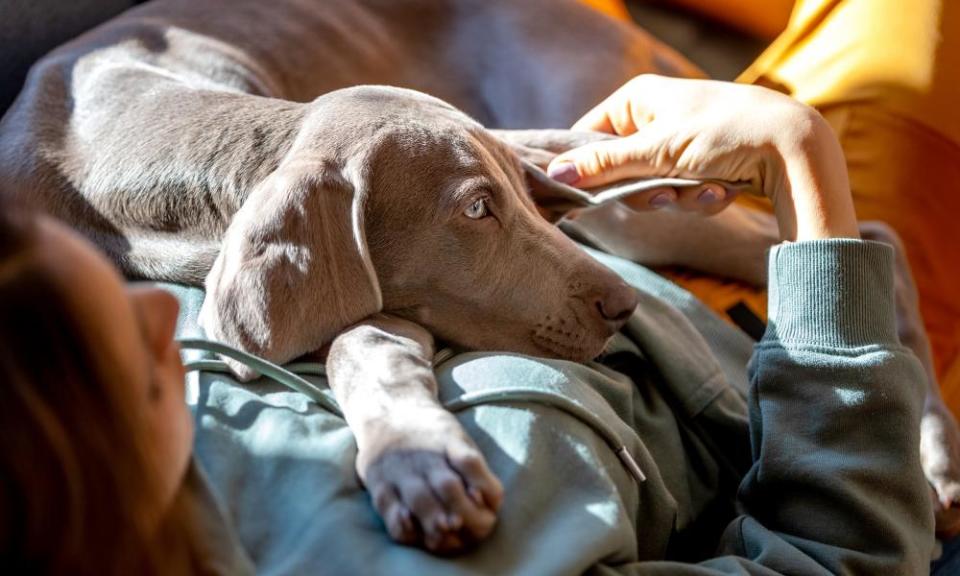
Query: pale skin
[710, 129]
[132, 328]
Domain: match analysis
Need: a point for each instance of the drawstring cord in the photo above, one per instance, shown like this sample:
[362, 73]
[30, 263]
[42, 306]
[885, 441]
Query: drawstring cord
[269, 369]
[291, 376]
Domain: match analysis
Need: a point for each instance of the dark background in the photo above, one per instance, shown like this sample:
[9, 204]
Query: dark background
[31, 28]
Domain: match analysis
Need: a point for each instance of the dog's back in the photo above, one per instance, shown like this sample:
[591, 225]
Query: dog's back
[148, 132]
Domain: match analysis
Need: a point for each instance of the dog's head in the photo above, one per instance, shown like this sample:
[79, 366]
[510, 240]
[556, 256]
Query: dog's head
[394, 201]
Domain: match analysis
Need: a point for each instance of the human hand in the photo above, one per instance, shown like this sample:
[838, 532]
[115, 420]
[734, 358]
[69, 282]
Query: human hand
[717, 130]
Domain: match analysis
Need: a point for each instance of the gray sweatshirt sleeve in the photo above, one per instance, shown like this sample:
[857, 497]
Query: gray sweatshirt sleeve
[836, 485]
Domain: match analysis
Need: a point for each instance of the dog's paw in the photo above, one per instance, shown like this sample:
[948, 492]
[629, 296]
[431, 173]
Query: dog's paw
[946, 520]
[940, 457]
[430, 484]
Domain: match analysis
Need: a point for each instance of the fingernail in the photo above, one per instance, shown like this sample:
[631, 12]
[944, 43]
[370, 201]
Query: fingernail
[661, 200]
[477, 496]
[454, 522]
[565, 172]
[709, 195]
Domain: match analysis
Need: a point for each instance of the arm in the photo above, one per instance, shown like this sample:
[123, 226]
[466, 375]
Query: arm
[836, 484]
[734, 244]
[834, 404]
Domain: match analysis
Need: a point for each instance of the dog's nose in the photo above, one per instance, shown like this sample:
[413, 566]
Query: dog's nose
[618, 303]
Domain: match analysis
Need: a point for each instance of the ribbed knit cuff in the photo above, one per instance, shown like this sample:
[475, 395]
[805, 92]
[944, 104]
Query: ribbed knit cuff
[836, 293]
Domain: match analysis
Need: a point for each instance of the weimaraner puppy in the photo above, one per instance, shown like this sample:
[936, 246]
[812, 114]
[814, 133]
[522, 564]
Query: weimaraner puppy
[366, 220]
[210, 141]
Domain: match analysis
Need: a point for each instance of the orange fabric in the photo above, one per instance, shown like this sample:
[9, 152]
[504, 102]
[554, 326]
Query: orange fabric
[613, 8]
[720, 294]
[886, 75]
[902, 56]
[760, 18]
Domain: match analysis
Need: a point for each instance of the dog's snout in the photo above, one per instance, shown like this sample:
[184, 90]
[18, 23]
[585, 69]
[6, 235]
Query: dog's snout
[618, 303]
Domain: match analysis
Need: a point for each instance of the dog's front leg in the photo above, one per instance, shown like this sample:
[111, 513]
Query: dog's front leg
[426, 477]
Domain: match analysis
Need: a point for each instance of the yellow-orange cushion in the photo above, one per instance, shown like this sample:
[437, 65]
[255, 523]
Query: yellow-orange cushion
[614, 8]
[886, 75]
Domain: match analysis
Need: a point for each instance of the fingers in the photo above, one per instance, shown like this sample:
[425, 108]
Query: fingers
[947, 519]
[655, 199]
[624, 111]
[611, 116]
[940, 454]
[604, 162]
[707, 199]
[948, 494]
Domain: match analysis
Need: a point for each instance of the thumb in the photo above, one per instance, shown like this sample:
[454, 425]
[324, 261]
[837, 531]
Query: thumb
[603, 162]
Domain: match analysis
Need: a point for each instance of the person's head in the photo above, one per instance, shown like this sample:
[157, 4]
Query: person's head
[96, 435]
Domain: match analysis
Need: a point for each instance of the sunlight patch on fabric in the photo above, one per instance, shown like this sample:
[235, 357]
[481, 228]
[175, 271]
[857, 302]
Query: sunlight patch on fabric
[851, 397]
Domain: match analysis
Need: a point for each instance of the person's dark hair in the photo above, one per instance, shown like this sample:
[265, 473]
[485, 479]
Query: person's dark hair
[71, 473]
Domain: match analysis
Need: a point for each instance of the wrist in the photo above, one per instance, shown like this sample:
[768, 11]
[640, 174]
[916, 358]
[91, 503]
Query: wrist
[814, 201]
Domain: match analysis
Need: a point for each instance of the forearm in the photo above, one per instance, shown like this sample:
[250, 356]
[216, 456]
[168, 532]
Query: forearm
[815, 201]
[378, 366]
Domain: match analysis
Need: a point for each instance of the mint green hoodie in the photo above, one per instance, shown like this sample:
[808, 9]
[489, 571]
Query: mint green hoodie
[804, 463]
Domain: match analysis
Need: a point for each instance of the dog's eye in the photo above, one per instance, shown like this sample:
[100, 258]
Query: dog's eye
[477, 210]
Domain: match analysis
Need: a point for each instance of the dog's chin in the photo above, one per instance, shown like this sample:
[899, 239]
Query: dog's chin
[575, 347]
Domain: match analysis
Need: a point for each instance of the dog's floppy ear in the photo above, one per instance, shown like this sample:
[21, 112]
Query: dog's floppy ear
[293, 269]
[553, 199]
[539, 147]
[536, 148]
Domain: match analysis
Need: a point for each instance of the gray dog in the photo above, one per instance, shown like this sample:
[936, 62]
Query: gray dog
[213, 141]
